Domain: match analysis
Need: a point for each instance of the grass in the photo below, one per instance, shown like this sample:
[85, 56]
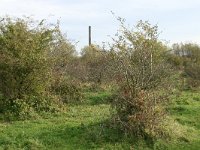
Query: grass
[86, 126]
[185, 109]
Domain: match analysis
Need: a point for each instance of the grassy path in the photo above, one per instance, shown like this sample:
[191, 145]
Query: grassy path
[75, 130]
[82, 127]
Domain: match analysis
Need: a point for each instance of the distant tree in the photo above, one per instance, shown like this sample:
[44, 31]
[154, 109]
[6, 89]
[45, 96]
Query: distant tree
[95, 62]
[187, 58]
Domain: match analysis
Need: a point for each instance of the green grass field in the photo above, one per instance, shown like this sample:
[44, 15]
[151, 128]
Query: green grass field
[86, 126]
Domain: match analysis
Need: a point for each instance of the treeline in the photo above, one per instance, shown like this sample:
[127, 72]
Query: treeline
[40, 71]
[186, 59]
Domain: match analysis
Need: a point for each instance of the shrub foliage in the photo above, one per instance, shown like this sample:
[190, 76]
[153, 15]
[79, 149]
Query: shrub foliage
[28, 65]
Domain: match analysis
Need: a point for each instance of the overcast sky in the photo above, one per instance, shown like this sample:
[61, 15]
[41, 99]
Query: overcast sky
[179, 20]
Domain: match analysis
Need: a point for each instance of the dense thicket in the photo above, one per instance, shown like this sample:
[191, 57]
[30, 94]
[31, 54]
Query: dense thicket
[32, 57]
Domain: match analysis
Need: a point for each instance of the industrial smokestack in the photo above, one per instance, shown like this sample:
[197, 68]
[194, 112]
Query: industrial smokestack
[90, 36]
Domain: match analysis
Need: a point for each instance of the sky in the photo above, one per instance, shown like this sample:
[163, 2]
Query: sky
[178, 20]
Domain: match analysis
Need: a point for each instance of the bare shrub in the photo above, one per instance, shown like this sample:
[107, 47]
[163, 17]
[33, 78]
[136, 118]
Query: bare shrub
[143, 79]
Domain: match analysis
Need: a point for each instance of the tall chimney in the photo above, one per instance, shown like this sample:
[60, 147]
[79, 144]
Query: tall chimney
[89, 35]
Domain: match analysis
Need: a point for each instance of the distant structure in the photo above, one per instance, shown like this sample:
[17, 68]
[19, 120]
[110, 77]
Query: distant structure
[90, 36]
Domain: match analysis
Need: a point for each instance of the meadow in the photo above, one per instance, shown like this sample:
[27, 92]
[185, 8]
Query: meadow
[86, 126]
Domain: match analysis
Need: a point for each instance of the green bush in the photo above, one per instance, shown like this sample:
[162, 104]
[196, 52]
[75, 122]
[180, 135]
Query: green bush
[30, 54]
[19, 109]
[68, 90]
[192, 73]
